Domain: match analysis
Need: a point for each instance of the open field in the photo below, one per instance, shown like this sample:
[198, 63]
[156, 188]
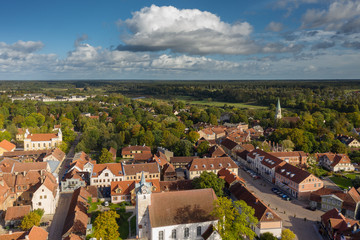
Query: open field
[341, 182]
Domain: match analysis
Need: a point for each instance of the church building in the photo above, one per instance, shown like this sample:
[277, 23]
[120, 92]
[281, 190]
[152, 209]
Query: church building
[174, 215]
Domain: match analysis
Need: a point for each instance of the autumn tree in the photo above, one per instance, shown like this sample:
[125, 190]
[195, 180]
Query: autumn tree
[106, 227]
[30, 220]
[235, 219]
[193, 136]
[267, 236]
[287, 234]
[106, 156]
[209, 180]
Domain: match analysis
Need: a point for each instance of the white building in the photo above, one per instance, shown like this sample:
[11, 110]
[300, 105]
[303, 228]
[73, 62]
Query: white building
[41, 141]
[103, 174]
[336, 162]
[174, 215]
[47, 195]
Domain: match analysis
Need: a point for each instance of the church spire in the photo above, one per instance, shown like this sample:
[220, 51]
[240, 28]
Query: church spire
[278, 110]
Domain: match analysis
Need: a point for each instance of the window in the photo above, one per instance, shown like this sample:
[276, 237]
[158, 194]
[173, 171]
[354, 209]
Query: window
[198, 231]
[106, 174]
[39, 203]
[44, 145]
[161, 235]
[40, 197]
[173, 233]
[186, 233]
[314, 184]
[115, 198]
[45, 196]
[38, 144]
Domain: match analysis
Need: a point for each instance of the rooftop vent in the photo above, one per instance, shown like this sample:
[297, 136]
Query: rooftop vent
[291, 175]
[282, 170]
[287, 173]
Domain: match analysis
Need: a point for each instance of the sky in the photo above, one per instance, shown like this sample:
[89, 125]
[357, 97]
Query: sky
[179, 39]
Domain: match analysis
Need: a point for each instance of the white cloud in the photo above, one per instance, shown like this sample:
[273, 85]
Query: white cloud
[274, 27]
[342, 16]
[186, 31]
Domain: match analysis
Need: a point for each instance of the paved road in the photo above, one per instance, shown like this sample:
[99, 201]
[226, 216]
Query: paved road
[57, 225]
[292, 213]
[62, 209]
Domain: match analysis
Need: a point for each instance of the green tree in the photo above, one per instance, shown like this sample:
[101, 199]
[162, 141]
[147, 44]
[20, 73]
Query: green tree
[267, 236]
[106, 227]
[203, 148]
[209, 180]
[193, 136]
[288, 145]
[234, 224]
[106, 156]
[183, 148]
[338, 147]
[287, 234]
[30, 220]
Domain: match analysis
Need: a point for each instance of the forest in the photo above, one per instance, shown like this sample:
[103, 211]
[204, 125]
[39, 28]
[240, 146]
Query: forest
[142, 112]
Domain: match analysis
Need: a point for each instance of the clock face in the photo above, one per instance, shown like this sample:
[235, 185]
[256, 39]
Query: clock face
[143, 190]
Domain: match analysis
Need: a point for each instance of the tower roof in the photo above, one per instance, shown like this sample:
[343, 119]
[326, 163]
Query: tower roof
[278, 104]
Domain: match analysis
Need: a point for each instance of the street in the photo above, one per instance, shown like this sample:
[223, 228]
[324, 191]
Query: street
[57, 224]
[292, 212]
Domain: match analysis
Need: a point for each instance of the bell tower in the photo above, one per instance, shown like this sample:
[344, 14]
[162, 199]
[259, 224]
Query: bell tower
[143, 200]
[278, 110]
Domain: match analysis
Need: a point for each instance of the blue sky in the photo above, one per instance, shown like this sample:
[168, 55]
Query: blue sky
[229, 39]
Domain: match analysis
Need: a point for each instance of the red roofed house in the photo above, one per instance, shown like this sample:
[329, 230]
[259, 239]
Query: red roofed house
[297, 182]
[336, 162]
[174, 215]
[54, 155]
[264, 163]
[294, 157]
[138, 153]
[35, 233]
[14, 215]
[47, 195]
[6, 146]
[268, 220]
[230, 177]
[348, 202]
[104, 174]
[199, 165]
[126, 190]
[337, 227]
[42, 140]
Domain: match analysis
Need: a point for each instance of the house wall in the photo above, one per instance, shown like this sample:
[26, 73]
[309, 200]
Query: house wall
[193, 174]
[44, 199]
[273, 227]
[41, 145]
[180, 229]
[105, 179]
[70, 185]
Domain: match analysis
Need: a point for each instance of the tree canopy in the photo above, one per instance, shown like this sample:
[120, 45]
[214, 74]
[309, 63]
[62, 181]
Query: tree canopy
[235, 219]
[106, 227]
[30, 220]
[209, 180]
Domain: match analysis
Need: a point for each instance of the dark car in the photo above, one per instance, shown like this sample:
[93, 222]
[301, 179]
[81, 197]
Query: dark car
[311, 208]
[274, 189]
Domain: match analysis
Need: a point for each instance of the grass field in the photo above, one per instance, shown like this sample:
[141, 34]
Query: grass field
[352, 175]
[341, 182]
[221, 104]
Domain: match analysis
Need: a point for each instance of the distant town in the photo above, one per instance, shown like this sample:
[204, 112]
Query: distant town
[100, 164]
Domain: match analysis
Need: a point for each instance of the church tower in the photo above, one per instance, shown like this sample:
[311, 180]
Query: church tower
[143, 200]
[278, 110]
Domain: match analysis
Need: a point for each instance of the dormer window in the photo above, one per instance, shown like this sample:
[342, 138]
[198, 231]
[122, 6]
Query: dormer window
[220, 164]
[212, 165]
[195, 166]
[229, 164]
[204, 166]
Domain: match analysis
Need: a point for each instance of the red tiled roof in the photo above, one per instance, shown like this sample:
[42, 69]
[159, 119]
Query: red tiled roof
[8, 146]
[56, 153]
[13, 236]
[217, 151]
[132, 169]
[229, 176]
[127, 186]
[298, 176]
[38, 233]
[181, 207]
[115, 168]
[42, 137]
[17, 212]
[182, 159]
[262, 212]
[229, 144]
[126, 150]
[201, 164]
[176, 185]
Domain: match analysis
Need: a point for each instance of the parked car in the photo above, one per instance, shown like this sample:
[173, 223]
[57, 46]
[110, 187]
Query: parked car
[311, 208]
[274, 189]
